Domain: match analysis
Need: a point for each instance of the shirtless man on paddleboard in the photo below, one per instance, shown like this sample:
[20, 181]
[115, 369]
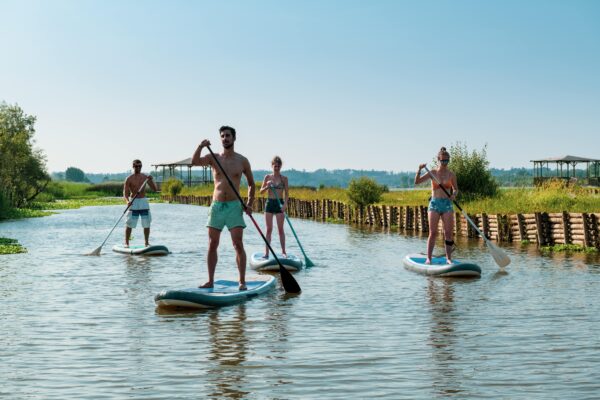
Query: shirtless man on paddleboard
[139, 207]
[226, 209]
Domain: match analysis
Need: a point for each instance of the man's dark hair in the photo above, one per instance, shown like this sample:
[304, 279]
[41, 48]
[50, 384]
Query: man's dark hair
[227, 128]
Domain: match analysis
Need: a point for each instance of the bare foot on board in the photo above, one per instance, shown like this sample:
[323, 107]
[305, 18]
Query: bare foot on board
[207, 285]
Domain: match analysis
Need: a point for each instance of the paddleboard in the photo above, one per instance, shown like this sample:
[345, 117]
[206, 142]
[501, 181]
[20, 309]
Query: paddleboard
[439, 267]
[258, 263]
[223, 293]
[154, 250]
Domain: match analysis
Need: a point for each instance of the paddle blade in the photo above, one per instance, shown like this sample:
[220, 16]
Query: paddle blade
[287, 280]
[95, 252]
[308, 262]
[500, 257]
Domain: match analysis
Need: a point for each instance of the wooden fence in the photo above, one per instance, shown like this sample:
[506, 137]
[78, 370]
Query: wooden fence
[541, 228]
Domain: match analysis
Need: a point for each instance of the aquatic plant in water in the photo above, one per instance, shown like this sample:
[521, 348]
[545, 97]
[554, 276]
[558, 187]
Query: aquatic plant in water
[11, 246]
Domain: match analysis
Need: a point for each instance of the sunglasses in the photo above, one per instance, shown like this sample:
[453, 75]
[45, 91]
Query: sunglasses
[445, 161]
[137, 165]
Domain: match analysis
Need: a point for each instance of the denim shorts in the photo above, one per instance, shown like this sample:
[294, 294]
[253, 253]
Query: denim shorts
[440, 205]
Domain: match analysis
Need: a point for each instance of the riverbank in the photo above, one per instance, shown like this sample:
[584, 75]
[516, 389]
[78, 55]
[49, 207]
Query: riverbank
[541, 228]
[550, 199]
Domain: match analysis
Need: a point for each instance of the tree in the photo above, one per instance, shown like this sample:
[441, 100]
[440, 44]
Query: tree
[173, 186]
[22, 167]
[73, 174]
[364, 191]
[472, 172]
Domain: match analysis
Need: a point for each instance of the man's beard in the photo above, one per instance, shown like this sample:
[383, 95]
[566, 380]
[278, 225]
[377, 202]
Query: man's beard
[228, 146]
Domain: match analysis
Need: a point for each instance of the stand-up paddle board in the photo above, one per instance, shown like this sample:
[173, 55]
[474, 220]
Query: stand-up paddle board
[223, 293]
[154, 250]
[258, 263]
[439, 266]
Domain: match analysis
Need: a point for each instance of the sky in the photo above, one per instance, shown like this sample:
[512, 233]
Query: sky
[324, 84]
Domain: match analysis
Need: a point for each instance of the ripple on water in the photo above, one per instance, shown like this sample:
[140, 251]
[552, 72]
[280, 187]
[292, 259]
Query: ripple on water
[86, 327]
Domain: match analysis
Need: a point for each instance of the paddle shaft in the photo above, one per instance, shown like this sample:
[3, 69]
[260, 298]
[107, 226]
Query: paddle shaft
[128, 205]
[459, 207]
[306, 259]
[289, 283]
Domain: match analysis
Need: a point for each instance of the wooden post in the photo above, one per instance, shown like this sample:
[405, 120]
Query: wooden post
[522, 230]
[566, 228]
[587, 239]
[424, 219]
[595, 230]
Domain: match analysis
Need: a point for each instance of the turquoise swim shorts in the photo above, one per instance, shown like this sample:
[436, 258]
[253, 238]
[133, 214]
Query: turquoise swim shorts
[225, 213]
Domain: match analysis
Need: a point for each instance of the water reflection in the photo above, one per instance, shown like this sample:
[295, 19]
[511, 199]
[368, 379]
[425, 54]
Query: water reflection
[442, 337]
[228, 352]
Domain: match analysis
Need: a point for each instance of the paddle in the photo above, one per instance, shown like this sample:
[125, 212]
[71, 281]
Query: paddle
[289, 283]
[97, 251]
[307, 260]
[500, 257]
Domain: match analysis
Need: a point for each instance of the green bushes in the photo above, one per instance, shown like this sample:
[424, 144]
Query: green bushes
[172, 186]
[364, 191]
[107, 188]
[472, 172]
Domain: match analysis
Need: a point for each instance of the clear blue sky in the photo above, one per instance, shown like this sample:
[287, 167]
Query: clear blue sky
[323, 84]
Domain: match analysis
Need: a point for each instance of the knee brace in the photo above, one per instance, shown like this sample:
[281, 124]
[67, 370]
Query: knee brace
[449, 242]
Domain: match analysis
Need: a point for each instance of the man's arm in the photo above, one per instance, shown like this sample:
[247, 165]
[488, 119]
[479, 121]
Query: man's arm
[151, 183]
[250, 179]
[126, 190]
[202, 161]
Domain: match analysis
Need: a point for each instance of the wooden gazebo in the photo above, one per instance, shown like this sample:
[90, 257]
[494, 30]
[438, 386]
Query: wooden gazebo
[566, 169]
[176, 169]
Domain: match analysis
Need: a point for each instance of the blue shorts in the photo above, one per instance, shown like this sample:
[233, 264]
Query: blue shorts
[440, 205]
[139, 209]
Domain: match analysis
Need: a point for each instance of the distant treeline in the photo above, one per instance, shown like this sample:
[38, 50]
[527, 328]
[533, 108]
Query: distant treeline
[342, 177]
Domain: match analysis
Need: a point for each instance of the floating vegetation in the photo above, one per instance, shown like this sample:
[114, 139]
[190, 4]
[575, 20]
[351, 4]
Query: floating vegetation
[568, 248]
[11, 246]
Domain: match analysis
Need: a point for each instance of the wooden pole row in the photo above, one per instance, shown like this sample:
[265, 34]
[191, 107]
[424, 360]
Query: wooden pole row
[540, 227]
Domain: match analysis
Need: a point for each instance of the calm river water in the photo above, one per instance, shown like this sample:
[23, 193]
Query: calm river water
[73, 326]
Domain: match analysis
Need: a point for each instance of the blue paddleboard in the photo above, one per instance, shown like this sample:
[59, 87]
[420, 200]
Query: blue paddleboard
[154, 250]
[439, 267]
[224, 293]
[291, 262]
